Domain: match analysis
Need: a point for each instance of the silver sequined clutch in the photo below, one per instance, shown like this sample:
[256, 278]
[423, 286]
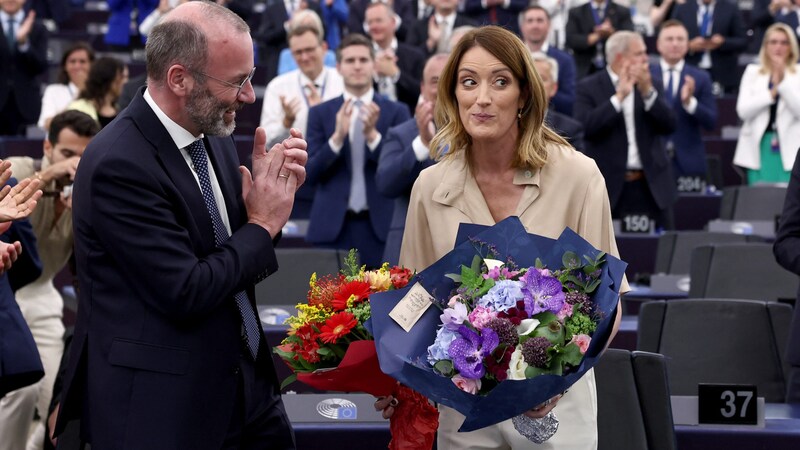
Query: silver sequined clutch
[536, 430]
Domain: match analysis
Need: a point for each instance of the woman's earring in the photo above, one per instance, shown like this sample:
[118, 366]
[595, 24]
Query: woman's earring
[519, 113]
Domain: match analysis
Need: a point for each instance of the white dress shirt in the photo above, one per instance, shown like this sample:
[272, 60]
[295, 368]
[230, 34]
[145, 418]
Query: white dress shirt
[183, 139]
[677, 69]
[366, 99]
[291, 86]
[626, 107]
[55, 99]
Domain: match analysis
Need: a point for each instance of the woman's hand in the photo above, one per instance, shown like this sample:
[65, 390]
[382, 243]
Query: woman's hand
[542, 410]
[386, 405]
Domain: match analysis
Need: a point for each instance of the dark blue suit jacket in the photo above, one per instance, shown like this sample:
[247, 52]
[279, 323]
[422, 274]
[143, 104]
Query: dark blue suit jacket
[607, 140]
[20, 364]
[20, 71]
[690, 152]
[506, 17]
[791, 20]
[567, 127]
[330, 172]
[581, 23]
[565, 96]
[727, 22]
[398, 169]
[787, 253]
[156, 353]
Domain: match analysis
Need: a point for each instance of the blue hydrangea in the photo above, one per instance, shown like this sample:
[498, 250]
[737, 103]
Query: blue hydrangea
[438, 350]
[502, 296]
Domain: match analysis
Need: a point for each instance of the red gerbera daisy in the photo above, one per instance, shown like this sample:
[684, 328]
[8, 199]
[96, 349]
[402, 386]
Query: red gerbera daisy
[358, 289]
[337, 326]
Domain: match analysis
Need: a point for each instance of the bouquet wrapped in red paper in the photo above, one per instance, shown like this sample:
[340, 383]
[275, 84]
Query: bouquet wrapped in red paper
[329, 348]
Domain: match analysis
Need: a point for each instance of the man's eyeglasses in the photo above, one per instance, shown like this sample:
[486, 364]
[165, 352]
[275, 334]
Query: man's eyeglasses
[238, 87]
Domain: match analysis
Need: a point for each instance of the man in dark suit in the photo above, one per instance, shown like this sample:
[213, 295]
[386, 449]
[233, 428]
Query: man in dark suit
[787, 253]
[405, 153]
[171, 236]
[787, 14]
[271, 35]
[534, 24]
[398, 66]
[716, 38]
[495, 12]
[433, 33]
[348, 211]
[626, 119]
[356, 20]
[569, 128]
[23, 57]
[688, 92]
[588, 28]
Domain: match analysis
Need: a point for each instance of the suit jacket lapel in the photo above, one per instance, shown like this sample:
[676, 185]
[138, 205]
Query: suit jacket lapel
[174, 165]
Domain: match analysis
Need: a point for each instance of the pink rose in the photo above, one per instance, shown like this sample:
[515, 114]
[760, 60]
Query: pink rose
[468, 385]
[582, 341]
[480, 316]
[566, 311]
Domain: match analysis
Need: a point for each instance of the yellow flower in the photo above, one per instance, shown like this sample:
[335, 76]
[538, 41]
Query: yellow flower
[307, 314]
[379, 280]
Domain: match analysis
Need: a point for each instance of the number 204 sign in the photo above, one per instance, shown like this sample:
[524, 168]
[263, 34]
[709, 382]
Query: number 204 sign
[733, 404]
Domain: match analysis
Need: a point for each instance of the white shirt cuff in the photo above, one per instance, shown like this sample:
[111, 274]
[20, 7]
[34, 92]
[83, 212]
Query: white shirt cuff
[692, 106]
[374, 144]
[648, 103]
[421, 151]
[616, 103]
[334, 148]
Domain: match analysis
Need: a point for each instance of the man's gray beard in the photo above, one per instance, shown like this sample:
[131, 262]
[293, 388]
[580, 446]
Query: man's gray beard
[208, 113]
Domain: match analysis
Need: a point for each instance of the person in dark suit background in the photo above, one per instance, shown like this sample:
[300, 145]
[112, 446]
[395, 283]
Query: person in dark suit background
[534, 24]
[789, 14]
[23, 58]
[398, 66]
[567, 127]
[433, 33]
[496, 12]
[356, 22]
[620, 103]
[716, 38]
[405, 153]
[171, 235]
[787, 253]
[688, 92]
[588, 28]
[271, 35]
[348, 211]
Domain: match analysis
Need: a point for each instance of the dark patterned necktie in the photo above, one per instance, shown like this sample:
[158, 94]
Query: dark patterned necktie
[197, 151]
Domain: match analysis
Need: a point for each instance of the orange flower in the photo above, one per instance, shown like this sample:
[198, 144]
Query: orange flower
[358, 290]
[337, 326]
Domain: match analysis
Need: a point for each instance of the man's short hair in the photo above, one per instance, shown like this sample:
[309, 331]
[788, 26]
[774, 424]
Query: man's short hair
[80, 123]
[181, 42]
[540, 56]
[671, 23]
[522, 13]
[354, 39]
[619, 42]
[300, 30]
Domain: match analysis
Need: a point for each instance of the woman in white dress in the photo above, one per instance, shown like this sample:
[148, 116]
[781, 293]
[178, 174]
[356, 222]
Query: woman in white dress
[502, 160]
[72, 74]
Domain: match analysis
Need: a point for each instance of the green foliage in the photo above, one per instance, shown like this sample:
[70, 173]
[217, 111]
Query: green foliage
[351, 268]
[444, 367]
[289, 380]
[571, 354]
[579, 323]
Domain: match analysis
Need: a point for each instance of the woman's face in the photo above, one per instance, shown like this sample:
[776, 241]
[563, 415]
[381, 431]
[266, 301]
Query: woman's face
[488, 96]
[122, 78]
[77, 66]
[778, 48]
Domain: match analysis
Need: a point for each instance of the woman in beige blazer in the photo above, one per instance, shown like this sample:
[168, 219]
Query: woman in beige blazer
[769, 106]
[503, 161]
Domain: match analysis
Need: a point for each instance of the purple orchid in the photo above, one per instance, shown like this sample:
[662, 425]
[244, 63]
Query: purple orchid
[469, 349]
[542, 292]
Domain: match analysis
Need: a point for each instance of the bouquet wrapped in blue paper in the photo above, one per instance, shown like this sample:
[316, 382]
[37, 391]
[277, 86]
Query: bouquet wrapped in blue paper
[502, 323]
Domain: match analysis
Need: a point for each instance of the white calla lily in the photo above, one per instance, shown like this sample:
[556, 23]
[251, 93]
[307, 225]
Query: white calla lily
[527, 326]
[492, 263]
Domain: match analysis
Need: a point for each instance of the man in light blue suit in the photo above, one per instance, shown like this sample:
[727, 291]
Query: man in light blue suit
[406, 152]
[345, 138]
[534, 25]
[687, 89]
